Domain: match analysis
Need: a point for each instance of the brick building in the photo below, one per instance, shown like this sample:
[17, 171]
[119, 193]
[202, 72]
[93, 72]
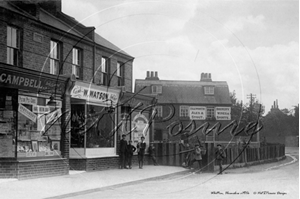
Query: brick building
[184, 106]
[61, 85]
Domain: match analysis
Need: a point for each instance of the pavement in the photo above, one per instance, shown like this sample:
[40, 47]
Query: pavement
[85, 182]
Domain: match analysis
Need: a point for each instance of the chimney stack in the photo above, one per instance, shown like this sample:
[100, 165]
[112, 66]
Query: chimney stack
[205, 77]
[152, 75]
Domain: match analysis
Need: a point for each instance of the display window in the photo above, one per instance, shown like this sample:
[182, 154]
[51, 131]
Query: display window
[39, 128]
[8, 121]
[92, 126]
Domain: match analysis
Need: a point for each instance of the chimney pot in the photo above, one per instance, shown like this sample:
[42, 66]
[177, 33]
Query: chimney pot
[152, 73]
[148, 74]
[156, 74]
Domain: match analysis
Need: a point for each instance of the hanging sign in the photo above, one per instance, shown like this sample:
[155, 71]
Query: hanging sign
[197, 112]
[27, 113]
[40, 109]
[223, 113]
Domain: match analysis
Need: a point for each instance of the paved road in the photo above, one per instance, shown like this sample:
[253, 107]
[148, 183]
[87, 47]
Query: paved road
[274, 180]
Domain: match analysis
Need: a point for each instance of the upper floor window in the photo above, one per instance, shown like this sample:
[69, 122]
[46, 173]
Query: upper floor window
[184, 111]
[13, 46]
[104, 71]
[156, 89]
[76, 62]
[159, 110]
[120, 74]
[209, 90]
[210, 112]
[54, 57]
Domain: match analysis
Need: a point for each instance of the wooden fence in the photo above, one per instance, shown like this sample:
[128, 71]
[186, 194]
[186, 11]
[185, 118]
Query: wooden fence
[172, 154]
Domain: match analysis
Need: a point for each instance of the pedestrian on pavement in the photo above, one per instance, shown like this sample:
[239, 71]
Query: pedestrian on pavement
[152, 154]
[122, 152]
[220, 155]
[196, 157]
[186, 150]
[141, 151]
[130, 150]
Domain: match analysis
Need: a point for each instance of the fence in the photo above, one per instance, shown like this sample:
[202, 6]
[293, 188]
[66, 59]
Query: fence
[172, 154]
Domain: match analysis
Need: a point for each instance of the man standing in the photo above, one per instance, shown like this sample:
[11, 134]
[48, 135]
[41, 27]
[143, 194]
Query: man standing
[130, 150]
[220, 155]
[197, 156]
[122, 152]
[141, 151]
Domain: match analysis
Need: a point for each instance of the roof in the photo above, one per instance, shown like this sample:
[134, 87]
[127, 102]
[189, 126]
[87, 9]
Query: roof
[186, 92]
[65, 23]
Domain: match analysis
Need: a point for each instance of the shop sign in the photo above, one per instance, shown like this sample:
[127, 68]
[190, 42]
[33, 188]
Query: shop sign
[53, 116]
[101, 95]
[197, 112]
[30, 82]
[40, 109]
[27, 113]
[223, 113]
[58, 103]
[27, 100]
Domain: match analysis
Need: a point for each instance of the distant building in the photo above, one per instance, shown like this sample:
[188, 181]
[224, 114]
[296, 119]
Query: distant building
[181, 102]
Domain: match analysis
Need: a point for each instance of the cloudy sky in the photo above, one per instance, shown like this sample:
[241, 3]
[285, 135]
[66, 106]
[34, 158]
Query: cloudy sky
[251, 44]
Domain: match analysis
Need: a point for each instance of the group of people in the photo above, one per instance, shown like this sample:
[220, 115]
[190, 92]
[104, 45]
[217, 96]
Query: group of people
[126, 151]
[195, 155]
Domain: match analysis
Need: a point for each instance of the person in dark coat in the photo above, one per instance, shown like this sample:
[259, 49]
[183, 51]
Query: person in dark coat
[122, 152]
[141, 151]
[130, 150]
[152, 154]
[220, 155]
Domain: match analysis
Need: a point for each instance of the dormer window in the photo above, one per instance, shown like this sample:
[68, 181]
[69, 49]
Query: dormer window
[209, 90]
[156, 89]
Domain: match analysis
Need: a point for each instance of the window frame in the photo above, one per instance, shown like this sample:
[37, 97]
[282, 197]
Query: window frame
[159, 110]
[104, 70]
[13, 52]
[209, 90]
[55, 57]
[157, 90]
[210, 112]
[77, 62]
[120, 73]
[184, 108]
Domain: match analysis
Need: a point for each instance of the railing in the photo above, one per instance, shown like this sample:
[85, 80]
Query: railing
[172, 154]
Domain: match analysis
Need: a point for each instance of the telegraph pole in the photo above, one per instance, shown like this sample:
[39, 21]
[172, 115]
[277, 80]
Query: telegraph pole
[252, 97]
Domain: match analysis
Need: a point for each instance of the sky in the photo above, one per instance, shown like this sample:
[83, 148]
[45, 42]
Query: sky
[253, 45]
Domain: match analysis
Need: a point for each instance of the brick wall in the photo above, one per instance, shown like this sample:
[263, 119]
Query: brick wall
[98, 164]
[33, 169]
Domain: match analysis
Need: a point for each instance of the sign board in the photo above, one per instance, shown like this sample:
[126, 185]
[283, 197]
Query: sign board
[197, 112]
[40, 109]
[27, 81]
[27, 100]
[98, 94]
[27, 113]
[223, 113]
[53, 116]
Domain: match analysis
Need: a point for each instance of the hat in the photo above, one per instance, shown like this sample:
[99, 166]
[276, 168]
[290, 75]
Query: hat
[123, 135]
[142, 137]
[219, 145]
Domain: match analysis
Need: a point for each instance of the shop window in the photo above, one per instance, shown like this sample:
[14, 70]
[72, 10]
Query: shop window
[99, 128]
[77, 62]
[120, 74]
[39, 128]
[184, 111]
[13, 44]
[55, 57]
[104, 71]
[8, 122]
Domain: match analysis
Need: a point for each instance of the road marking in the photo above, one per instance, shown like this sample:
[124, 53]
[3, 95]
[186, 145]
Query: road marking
[281, 165]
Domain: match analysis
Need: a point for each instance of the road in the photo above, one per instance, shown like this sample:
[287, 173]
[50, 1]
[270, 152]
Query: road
[273, 180]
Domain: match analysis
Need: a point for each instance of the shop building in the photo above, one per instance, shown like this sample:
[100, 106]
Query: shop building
[184, 106]
[54, 71]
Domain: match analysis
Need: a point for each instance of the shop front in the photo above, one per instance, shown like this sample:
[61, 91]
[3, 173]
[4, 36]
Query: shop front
[93, 126]
[32, 116]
